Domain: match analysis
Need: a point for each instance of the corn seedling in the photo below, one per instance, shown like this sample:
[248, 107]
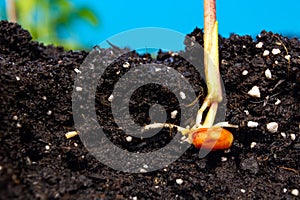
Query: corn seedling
[208, 135]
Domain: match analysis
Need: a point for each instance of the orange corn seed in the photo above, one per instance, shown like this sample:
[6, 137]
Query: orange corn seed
[214, 138]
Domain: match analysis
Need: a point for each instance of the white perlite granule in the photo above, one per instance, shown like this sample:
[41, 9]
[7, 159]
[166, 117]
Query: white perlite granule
[78, 89]
[266, 53]
[77, 71]
[252, 145]
[223, 159]
[182, 95]
[128, 138]
[277, 102]
[276, 51]
[111, 98]
[287, 57]
[252, 124]
[272, 127]
[283, 134]
[179, 181]
[259, 45]
[174, 114]
[293, 136]
[254, 92]
[126, 65]
[268, 74]
[295, 192]
[245, 72]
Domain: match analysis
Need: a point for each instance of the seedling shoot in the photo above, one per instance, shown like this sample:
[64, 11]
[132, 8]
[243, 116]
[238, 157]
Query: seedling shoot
[208, 135]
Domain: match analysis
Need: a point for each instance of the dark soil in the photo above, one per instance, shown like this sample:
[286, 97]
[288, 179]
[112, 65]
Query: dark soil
[38, 162]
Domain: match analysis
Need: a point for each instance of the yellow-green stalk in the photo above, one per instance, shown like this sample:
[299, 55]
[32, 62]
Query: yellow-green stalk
[211, 65]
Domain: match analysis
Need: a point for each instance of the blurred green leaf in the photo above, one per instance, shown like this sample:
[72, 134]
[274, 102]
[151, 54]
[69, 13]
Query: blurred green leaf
[88, 15]
[45, 19]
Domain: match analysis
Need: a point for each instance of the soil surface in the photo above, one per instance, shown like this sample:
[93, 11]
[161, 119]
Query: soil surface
[38, 162]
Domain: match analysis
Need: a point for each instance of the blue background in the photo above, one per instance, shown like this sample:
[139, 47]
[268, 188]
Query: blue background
[234, 16]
